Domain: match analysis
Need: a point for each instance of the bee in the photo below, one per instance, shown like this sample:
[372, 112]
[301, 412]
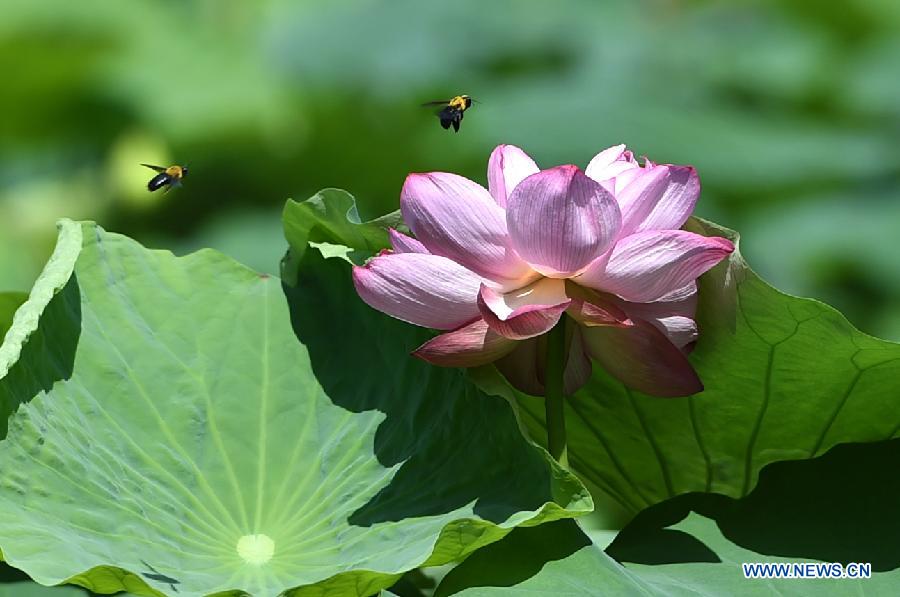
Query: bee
[451, 112]
[166, 177]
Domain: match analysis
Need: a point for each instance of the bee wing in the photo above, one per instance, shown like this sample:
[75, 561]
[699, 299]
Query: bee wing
[175, 182]
[152, 167]
[436, 103]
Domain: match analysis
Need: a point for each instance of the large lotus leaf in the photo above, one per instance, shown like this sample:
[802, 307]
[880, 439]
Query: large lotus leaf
[840, 507]
[175, 437]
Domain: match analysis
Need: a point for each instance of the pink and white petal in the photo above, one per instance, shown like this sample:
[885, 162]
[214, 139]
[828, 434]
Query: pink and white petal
[596, 268]
[507, 167]
[639, 197]
[645, 266]
[622, 180]
[681, 331]
[683, 299]
[528, 312]
[619, 173]
[613, 167]
[677, 201]
[545, 292]
[642, 358]
[673, 314]
[426, 290]
[599, 164]
[402, 243]
[472, 345]
[457, 218]
[591, 314]
[681, 302]
[590, 307]
[560, 221]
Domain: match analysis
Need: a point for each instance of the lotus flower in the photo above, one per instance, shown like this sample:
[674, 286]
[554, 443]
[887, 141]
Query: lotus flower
[496, 269]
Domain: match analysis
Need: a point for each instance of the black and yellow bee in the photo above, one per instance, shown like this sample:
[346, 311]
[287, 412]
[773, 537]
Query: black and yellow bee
[166, 177]
[451, 112]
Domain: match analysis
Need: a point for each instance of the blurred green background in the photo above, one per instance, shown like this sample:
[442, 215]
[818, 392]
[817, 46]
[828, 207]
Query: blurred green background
[789, 108]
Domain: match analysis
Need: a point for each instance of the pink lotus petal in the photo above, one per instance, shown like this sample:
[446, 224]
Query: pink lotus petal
[578, 366]
[671, 209]
[524, 366]
[560, 220]
[672, 314]
[526, 312]
[590, 314]
[681, 331]
[611, 164]
[472, 345]
[604, 160]
[645, 266]
[642, 358]
[590, 307]
[426, 290]
[617, 184]
[638, 197]
[685, 298]
[507, 167]
[405, 244]
[457, 218]
[546, 292]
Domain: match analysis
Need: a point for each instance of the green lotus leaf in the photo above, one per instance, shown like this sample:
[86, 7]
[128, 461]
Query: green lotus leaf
[330, 216]
[837, 508]
[552, 559]
[190, 427]
[559, 559]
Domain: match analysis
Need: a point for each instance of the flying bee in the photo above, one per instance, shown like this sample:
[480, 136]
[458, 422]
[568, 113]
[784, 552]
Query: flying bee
[451, 112]
[166, 177]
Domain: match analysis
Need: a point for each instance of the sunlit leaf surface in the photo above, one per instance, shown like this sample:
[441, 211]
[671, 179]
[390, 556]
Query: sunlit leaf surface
[192, 427]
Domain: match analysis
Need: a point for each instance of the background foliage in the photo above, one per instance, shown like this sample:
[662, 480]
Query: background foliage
[788, 107]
